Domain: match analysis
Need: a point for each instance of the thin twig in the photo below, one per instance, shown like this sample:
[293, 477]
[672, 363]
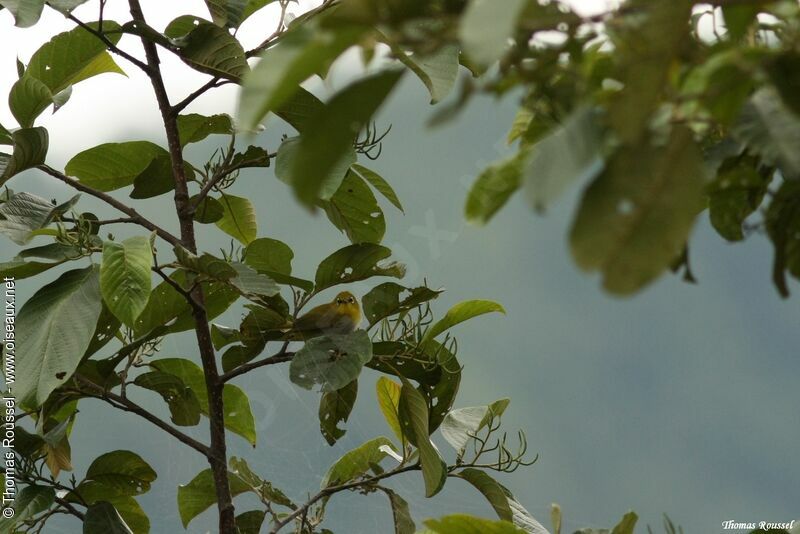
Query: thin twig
[111, 201]
[213, 83]
[109, 43]
[280, 357]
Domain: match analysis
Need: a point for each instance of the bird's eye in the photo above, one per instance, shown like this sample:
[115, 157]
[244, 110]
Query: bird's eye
[339, 301]
[351, 300]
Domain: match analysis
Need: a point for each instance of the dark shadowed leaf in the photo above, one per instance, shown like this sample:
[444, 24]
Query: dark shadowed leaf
[103, 518]
[30, 149]
[335, 408]
[332, 361]
[199, 494]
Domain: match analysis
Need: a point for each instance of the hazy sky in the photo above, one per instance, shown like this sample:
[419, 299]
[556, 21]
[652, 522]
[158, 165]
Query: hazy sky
[681, 400]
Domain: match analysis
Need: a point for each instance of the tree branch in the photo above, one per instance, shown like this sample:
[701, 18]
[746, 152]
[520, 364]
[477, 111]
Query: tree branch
[134, 215]
[212, 84]
[111, 46]
[246, 368]
[218, 457]
[128, 405]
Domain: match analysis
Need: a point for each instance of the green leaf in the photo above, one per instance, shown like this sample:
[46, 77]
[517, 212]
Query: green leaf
[377, 181]
[335, 407]
[125, 277]
[494, 186]
[354, 210]
[635, 219]
[212, 50]
[463, 311]
[573, 152]
[252, 6]
[30, 501]
[357, 462]
[157, 178]
[355, 263]
[463, 424]
[388, 392]
[244, 279]
[329, 135]
[329, 182]
[111, 166]
[437, 70]
[54, 329]
[332, 361]
[65, 6]
[103, 518]
[298, 108]
[250, 522]
[30, 150]
[74, 56]
[131, 512]
[193, 128]
[783, 72]
[467, 524]
[486, 28]
[770, 130]
[238, 219]
[265, 254]
[736, 193]
[26, 12]
[226, 13]
[199, 494]
[123, 472]
[27, 100]
[626, 525]
[210, 210]
[384, 301]
[23, 214]
[254, 156]
[238, 416]
[413, 413]
[282, 68]
[184, 408]
[403, 522]
[490, 489]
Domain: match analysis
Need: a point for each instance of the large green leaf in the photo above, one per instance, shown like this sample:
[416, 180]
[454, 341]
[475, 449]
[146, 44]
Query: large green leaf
[129, 509]
[103, 518]
[184, 408]
[354, 263]
[332, 361]
[354, 210]
[463, 424]
[384, 300]
[265, 254]
[769, 129]
[334, 408]
[486, 28]
[238, 416]
[193, 128]
[110, 166]
[635, 219]
[54, 329]
[301, 54]
[30, 501]
[329, 135]
[199, 494]
[212, 50]
[125, 279]
[573, 152]
[157, 178]
[413, 414]
[23, 214]
[490, 489]
[467, 524]
[30, 149]
[437, 70]
[122, 472]
[26, 12]
[463, 311]
[357, 462]
[238, 219]
[28, 98]
[329, 183]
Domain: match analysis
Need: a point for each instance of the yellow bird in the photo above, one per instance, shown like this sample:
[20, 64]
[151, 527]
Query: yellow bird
[341, 316]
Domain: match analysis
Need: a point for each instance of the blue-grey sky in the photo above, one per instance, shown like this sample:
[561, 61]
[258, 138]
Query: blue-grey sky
[680, 400]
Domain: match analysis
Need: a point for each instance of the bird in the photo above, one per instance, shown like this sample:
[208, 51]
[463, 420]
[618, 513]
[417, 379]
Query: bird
[340, 316]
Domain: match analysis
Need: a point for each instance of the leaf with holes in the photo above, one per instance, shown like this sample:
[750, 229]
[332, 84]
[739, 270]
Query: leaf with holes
[354, 210]
[413, 414]
[335, 407]
[355, 263]
[332, 361]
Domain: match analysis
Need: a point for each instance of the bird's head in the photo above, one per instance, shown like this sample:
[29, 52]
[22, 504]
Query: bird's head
[345, 299]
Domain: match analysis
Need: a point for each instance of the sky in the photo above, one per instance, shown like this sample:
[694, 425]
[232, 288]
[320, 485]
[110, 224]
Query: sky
[680, 400]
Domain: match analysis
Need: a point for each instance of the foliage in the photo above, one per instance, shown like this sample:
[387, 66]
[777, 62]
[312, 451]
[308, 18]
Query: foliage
[655, 108]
